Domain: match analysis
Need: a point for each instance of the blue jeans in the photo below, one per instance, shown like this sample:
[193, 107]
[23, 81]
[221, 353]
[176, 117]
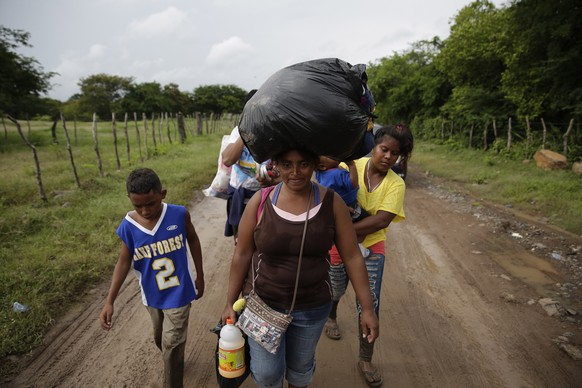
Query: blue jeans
[295, 358]
[339, 283]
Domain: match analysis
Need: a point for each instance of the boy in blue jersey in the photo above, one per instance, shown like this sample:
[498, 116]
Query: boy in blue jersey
[154, 238]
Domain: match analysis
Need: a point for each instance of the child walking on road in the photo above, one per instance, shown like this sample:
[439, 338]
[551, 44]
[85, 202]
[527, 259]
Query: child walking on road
[153, 239]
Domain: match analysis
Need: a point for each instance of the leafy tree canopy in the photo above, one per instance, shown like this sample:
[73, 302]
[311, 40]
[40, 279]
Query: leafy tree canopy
[22, 79]
[408, 83]
[103, 93]
[219, 98]
[544, 55]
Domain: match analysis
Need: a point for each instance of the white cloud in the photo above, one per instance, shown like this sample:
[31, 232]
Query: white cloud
[96, 51]
[231, 50]
[163, 23]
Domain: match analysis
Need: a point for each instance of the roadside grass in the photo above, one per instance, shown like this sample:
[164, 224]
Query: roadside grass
[52, 252]
[552, 196]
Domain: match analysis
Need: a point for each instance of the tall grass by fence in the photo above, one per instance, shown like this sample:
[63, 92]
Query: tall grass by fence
[48, 142]
[515, 138]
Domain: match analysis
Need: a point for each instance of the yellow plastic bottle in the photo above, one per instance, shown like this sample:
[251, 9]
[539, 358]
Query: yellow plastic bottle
[231, 351]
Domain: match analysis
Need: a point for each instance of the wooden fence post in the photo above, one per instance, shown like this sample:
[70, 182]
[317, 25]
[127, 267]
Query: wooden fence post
[34, 155]
[154, 131]
[471, 135]
[565, 137]
[169, 133]
[71, 159]
[137, 136]
[145, 134]
[494, 128]
[126, 136]
[181, 129]
[160, 133]
[96, 145]
[528, 136]
[174, 125]
[545, 134]
[198, 123]
[114, 129]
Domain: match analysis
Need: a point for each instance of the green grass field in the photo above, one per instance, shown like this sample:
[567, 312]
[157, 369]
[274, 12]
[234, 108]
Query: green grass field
[551, 195]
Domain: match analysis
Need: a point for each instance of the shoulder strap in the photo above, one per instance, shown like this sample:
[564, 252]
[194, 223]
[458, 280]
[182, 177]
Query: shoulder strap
[265, 191]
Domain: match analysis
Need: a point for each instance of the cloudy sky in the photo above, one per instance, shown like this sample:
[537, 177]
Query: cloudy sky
[205, 42]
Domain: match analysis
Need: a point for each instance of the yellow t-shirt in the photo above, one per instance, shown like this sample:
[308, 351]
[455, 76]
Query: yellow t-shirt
[388, 196]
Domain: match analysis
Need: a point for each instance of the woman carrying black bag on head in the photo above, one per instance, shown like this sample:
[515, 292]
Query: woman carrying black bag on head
[275, 258]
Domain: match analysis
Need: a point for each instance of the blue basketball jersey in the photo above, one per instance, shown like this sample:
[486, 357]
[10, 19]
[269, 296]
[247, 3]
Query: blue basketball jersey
[160, 258]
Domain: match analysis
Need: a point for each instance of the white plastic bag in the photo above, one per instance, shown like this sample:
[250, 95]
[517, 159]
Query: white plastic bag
[219, 185]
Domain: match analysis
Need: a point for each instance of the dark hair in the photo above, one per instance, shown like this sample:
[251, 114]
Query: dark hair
[400, 133]
[142, 181]
[311, 156]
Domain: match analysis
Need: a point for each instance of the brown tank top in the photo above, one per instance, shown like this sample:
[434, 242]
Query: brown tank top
[278, 242]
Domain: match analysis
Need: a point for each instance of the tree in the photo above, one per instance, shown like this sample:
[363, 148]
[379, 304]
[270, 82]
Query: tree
[408, 84]
[103, 94]
[544, 56]
[22, 79]
[146, 97]
[219, 98]
[178, 101]
[472, 58]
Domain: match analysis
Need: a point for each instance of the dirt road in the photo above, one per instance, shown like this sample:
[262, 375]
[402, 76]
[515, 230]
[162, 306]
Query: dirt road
[459, 309]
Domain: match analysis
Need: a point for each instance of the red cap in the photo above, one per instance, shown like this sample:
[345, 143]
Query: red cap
[228, 321]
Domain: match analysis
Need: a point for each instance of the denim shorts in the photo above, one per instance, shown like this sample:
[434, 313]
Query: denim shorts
[339, 279]
[295, 358]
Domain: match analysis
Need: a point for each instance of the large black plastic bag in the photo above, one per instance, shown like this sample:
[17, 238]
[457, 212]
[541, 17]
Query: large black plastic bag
[322, 105]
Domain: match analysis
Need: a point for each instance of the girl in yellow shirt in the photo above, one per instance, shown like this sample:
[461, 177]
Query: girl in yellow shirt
[381, 194]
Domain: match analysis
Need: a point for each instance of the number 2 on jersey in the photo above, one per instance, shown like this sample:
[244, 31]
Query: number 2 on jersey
[164, 277]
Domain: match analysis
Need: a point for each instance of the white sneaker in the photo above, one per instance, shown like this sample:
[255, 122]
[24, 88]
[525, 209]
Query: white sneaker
[365, 251]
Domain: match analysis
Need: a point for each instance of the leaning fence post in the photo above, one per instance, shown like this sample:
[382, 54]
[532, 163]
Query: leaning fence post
[169, 133]
[198, 123]
[126, 136]
[145, 134]
[69, 148]
[161, 138]
[154, 131]
[181, 129]
[545, 134]
[570, 126]
[137, 136]
[96, 145]
[34, 155]
[114, 129]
